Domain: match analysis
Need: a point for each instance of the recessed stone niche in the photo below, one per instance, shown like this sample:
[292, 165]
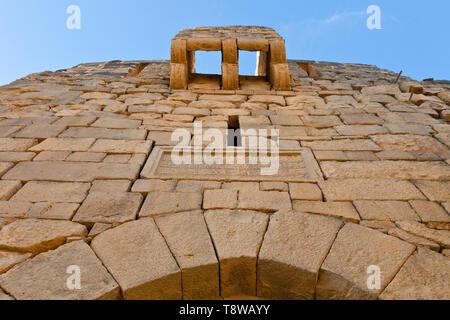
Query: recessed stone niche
[293, 166]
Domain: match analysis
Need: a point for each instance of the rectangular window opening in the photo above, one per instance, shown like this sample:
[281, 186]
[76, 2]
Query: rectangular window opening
[247, 63]
[234, 138]
[208, 62]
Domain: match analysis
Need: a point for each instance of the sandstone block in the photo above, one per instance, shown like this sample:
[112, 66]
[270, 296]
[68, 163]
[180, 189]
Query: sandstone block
[408, 170]
[415, 240]
[369, 189]
[15, 145]
[104, 133]
[435, 190]
[220, 199]
[9, 259]
[408, 143]
[71, 171]
[68, 144]
[424, 276]
[8, 188]
[140, 261]
[385, 210]
[305, 191]
[146, 186]
[37, 236]
[343, 274]
[237, 237]
[188, 238]
[109, 207]
[339, 210]
[343, 145]
[293, 249]
[159, 203]
[42, 191]
[440, 236]
[430, 211]
[110, 185]
[45, 276]
[122, 146]
[267, 201]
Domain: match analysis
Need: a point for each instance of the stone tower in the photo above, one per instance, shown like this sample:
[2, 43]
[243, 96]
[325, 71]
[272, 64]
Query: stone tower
[356, 208]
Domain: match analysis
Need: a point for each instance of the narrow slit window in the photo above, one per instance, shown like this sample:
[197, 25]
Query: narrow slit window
[234, 138]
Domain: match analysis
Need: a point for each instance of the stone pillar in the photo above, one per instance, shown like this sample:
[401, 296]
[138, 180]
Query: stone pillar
[179, 71]
[278, 67]
[230, 64]
[261, 64]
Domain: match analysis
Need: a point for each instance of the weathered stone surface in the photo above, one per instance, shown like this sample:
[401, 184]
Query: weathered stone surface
[220, 199]
[435, 190]
[52, 156]
[9, 259]
[68, 144]
[42, 191]
[159, 203]
[4, 296]
[237, 237]
[110, 186]
[188, 238]
[15, 145]
[321, 121]
[8, 188]
[153, 185]
[343, 145]
[116, 123]
[53, 211]
[11, 209]
[381, 152]
[71, 172]
[304, 191]
[340, 210]
[425, 275]
[240, 186]
[369, 189]
[440, 236]
[45, 276]
[104, 133]
[360, 130]
[5, 166]
[37, 236]
[380, 225]
[385, 210]
[196, 186]
[418, 241]
[122, 146]
[293, 250]
[343, 274]
[408, 143]
[409, 170]
[140, 261]
[86, 157]
[109, 207]
[267, 201]
[362, 119]
[430, 211]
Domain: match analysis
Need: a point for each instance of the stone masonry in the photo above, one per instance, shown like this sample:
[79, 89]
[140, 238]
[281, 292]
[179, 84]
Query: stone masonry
[364, 180]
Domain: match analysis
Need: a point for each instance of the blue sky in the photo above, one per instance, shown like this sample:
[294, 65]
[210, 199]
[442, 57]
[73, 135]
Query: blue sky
[414, 35]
